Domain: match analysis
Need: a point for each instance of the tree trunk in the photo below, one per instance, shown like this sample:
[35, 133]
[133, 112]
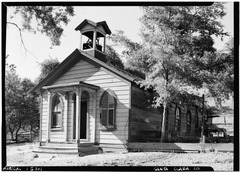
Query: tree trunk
[16, 134]
[12, 132]
[163, 122]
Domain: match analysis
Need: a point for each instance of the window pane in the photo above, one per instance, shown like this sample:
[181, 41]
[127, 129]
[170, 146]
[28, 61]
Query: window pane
[110, 117]
[108, 107]
[104, 117]
[111, 105]
[54, 119]
[56, 105]
[58, 119]
[177, 120]
[110, 99]
[105, 101]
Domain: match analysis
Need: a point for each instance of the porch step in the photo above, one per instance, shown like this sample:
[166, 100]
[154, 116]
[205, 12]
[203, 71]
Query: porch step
[68, 144]
[68, 148]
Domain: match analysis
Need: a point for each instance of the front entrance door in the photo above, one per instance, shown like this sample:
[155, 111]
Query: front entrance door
[83, 124]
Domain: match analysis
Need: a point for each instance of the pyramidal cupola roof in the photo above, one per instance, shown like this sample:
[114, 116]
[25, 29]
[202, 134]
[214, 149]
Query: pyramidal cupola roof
[87, 21]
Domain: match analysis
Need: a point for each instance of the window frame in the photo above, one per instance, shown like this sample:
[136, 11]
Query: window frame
[177, 123]
[59, 113]
[108, 126]
[188, 122]
[196, 118]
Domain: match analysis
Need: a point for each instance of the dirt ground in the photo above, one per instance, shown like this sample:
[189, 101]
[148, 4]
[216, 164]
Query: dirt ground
[22, 155]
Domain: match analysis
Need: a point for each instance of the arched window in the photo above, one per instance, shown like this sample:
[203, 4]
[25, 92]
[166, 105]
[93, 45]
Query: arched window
[108, 110]
[196, 118]
[56, 112]
[188, 123]
[177, 125]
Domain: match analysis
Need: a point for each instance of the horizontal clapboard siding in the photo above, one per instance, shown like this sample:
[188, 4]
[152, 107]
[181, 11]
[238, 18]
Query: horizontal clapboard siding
[44, 115]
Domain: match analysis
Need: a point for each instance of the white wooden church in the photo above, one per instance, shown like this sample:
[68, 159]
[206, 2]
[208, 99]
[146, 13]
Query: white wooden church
[87, 105]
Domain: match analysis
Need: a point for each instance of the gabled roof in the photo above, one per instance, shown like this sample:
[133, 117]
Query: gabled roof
[71, 60]
[102, 23]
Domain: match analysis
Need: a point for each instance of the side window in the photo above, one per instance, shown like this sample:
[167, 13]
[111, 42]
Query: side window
[188, 123]
[56, 112]
[177, 125]
[167, 118]
[196, 118]
[108, 110]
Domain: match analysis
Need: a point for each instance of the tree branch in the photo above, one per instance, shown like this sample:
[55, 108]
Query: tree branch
[20, 32]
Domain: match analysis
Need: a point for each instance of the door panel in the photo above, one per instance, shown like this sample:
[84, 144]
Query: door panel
[83, 124]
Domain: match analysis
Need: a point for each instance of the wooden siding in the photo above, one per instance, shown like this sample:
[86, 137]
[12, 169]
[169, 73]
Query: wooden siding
[44, 115]
[145, 121]
[148, 120]
[86, 72]
[194, 132]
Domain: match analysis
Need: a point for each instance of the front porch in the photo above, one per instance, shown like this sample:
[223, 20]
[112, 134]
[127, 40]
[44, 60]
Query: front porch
[71, 118]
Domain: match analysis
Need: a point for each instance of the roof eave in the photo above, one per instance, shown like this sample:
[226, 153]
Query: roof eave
[38, 86]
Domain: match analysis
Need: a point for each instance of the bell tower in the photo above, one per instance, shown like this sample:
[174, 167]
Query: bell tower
[93, 38]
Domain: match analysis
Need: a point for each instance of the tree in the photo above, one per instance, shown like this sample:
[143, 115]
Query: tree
[47, 66]
[222, 72]
[30, 107]
[21, 108]
[49, 20]
[175, 40]
[113, 58]
[12, 83]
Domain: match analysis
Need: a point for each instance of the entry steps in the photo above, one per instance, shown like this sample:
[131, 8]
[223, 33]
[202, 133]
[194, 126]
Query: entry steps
[68, 148]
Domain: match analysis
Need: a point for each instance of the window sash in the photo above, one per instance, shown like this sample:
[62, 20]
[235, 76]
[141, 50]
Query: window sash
[177, 120]
[108, 111]
[56, 119]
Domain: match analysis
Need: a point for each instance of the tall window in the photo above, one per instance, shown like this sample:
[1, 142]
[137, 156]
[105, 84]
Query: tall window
[188, 123]
[177, 125]
[108, 110]
[166, 123]
[56, 112]
[196, 118]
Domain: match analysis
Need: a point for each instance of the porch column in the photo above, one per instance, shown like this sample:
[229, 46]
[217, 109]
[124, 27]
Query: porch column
[66, 116]
[94, 115]
[81, 43]
[78, 113]
[104, 44]
[49, 117]
[40, 110]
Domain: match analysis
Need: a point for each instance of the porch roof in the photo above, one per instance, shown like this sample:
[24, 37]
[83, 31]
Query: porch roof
[80, 83]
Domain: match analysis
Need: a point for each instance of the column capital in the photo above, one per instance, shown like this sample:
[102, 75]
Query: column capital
[77, 90]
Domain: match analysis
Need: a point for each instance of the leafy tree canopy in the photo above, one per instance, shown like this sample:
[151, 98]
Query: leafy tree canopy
[21, 108]
[47, 66]
[45, 19]
[177, 51]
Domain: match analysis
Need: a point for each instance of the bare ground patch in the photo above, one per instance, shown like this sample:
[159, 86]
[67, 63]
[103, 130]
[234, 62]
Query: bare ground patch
[22, 155]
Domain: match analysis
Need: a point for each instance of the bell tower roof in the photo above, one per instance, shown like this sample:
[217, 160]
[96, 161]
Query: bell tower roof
[102, 24]
[93, 38]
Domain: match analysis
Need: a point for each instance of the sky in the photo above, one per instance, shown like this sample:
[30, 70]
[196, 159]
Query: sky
[118, 18]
